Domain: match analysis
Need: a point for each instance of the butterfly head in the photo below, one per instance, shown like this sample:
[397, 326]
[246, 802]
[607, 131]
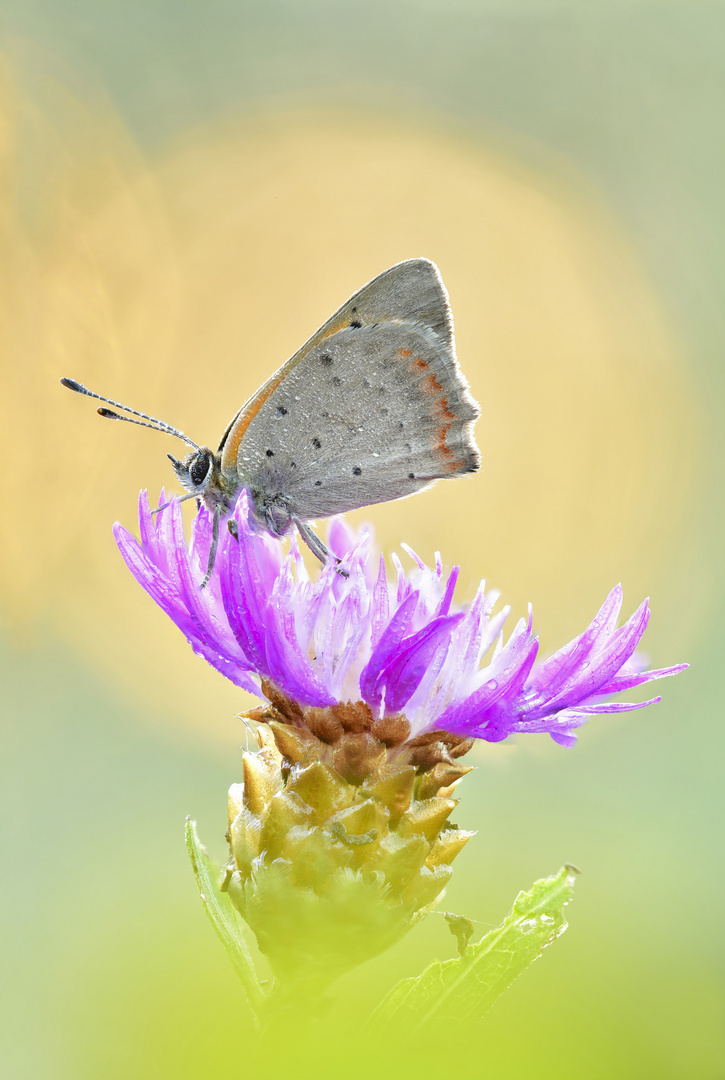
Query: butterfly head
[200, 474]
[195, 472]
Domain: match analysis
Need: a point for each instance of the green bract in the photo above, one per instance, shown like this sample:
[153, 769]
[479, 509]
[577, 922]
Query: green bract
[331, 865]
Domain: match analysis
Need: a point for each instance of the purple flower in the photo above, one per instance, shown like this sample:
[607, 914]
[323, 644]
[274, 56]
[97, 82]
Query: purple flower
[399, 645]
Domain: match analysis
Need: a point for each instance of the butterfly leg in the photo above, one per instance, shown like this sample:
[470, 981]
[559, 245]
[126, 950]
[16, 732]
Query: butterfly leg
[316, 546]
[177, 498]
[213, 546]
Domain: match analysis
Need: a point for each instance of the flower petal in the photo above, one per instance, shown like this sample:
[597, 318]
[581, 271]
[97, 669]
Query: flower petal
[404, 673]
[339, 637]
[372, 676]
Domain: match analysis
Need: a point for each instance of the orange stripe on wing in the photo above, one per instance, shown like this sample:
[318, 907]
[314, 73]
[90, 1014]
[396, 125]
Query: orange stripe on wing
[430, 385]
[451, 464]
[442, 412]
[231, 446]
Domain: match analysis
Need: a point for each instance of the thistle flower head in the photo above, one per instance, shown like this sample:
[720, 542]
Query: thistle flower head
[376, 685]
[396, 644]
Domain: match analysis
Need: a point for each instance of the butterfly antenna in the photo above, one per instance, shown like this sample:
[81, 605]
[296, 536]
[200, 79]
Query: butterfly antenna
[155, 425]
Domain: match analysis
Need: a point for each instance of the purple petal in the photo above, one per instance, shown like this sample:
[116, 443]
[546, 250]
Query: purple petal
[340, 537]
[563, 738]
[404, 673]
[572, 718]
[554, 672]
[151, 578]
[587, 680]
[261, 615]
[499, 718]
[371, 678]
[494, 700]
[352, 625]
[243, 608]
[381, 604]
[214, 651]
[445, 605]
[414, 556]
[289, 668]
[145, 522]
[628, 682]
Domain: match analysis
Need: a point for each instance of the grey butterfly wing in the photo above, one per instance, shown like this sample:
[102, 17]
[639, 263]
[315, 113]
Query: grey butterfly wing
[410, 289]
[373, 410]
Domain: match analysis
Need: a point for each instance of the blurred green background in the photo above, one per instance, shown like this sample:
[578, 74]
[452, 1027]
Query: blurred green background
[188, 190]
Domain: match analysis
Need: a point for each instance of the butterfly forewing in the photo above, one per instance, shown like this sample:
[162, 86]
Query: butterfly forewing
[411, 290]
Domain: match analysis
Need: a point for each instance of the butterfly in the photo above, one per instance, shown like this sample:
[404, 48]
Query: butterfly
[373, 407]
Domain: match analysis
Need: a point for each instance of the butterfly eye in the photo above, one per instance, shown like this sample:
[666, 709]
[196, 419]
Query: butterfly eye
[199, 469]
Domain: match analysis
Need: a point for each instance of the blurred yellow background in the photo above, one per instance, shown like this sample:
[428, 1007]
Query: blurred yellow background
[185, 197]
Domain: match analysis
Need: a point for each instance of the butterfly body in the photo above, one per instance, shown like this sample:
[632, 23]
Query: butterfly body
[373, 407]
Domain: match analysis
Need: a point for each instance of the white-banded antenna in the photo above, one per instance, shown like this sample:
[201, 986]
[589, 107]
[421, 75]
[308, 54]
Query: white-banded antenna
[155, 424]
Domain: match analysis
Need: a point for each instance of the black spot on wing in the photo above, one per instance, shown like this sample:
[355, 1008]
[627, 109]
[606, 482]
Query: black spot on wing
[270, 453]
[357, 471]
[316, 443]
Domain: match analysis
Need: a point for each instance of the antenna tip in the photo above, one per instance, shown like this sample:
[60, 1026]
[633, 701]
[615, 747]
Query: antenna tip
[109, 414]
[72, 385]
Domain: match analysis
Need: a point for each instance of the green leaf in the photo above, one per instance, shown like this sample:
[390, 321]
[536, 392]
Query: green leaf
[464, 988]
[223, 916]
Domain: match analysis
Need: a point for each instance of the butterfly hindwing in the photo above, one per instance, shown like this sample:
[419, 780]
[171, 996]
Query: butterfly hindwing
[370, 413]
